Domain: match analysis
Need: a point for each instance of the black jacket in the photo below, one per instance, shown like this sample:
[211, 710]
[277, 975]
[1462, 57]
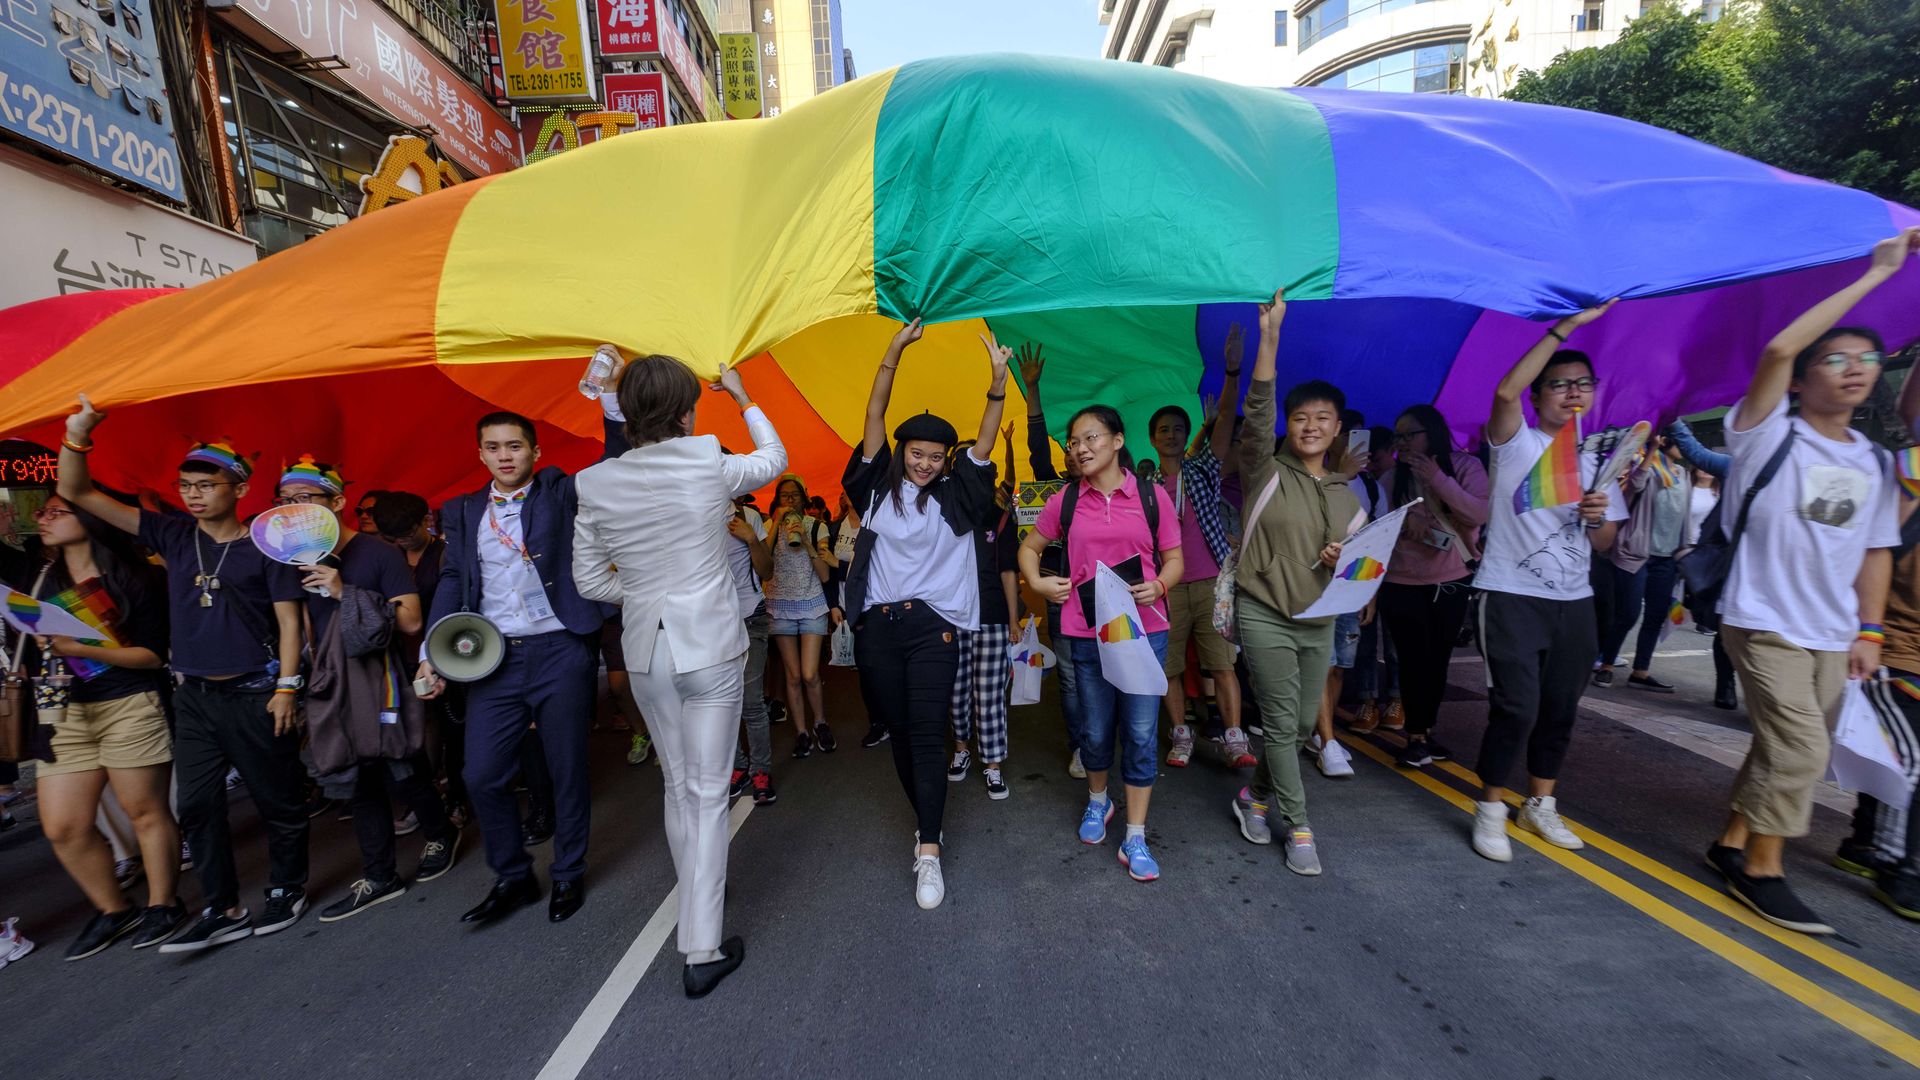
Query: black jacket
[965, 496]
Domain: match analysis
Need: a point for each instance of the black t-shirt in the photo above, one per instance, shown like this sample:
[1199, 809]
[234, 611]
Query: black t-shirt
[996, 548]
[138, 620]
[237, 634]
[426, 576]
[366, 563]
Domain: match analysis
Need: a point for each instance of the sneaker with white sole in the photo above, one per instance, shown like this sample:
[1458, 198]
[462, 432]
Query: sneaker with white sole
[13, 944]
[1075, 769]
[284, 908]
[406, 826]
[1140, 863]
[996, 784]
[1252, 816]
[639, 748]
[1490, 832]
[1239, 753]
[1312, 746]
[362, 895]
[1302, 857]
[962, 761]
[1180, 747]
[1335, 761]
[1093, 821]
[1541, 815]
[929, 888]
[213, 928]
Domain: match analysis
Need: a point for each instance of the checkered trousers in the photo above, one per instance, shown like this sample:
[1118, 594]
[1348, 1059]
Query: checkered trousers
[980, 690]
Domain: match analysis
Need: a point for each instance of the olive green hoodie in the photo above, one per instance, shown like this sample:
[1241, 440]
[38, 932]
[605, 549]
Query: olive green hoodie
[1280, 553]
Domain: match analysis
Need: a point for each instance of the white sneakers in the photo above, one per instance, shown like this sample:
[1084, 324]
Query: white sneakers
[1335, 762]
[1541, 815]
[1075, 769]
[1490, 832]
[13, 944]
[929, 888]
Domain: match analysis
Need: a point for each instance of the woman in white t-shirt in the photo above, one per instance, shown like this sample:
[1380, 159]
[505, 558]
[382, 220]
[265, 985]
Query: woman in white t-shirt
[1801, 611]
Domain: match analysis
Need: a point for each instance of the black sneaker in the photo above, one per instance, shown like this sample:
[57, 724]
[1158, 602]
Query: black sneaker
[1862, 859]
[823, 735]
[763, 793]
[996, 784]
[1648, 682]
[962, 761]
[157, 924]
[802, 746]
[737, 786]
[1603, 676]
[437, 858]
[1728, 862]
[776, 709]
[538, 830]
[876, 734]
[105, 928]
[284, 908]
[1439, 751]
[361, 895]
[1901, 894]
[318, 804]
[1417, 754]
[213, 928]
[128, 871]
[1773, 900]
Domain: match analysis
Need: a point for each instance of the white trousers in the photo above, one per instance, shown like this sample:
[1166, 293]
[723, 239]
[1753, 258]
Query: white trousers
[695, 721]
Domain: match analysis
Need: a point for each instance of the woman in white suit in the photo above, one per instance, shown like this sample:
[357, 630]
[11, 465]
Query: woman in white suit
[669, 574]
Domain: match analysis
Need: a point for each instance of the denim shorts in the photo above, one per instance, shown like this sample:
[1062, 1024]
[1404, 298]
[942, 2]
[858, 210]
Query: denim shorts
[1346, 639]
[796, 627]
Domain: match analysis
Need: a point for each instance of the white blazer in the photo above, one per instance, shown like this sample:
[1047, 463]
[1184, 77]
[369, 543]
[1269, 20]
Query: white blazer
[650, 535]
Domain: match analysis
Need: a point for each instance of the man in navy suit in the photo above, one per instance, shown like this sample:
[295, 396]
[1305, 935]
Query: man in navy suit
[509, 557]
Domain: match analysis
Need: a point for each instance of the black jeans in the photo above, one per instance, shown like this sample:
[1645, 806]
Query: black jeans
[1538, 655]
[1645, 596]
[373, 798]
[217, 727]
[1424, 622]
[909, 657]
[449, 712]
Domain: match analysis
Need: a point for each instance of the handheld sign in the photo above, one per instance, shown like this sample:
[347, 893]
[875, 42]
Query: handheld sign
[1624, 453]
[44, 617]
[298, 534]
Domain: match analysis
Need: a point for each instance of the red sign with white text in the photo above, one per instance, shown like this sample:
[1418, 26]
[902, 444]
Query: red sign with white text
[644, 95]
[685, 64]
[629, 29]
[388, 65]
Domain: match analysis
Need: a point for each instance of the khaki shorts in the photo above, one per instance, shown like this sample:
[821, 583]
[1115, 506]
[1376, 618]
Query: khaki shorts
[1190, 613]
[1793, 701]
[125, 733]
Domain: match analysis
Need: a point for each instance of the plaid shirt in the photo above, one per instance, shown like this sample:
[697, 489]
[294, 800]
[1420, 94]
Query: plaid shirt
[1200, 485]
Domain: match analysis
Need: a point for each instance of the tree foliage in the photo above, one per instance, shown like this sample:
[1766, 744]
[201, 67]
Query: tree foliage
[1828, 88]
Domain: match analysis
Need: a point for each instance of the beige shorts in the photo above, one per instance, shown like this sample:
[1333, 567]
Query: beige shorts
[125, 733]
[1190, 614]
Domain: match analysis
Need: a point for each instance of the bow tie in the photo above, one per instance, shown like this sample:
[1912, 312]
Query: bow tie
[502, 500]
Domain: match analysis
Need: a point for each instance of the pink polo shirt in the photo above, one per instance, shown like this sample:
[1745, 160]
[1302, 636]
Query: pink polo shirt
[1111, 529]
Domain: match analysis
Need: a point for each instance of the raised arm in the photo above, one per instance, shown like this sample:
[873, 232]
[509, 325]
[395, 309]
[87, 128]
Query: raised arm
[1775, 373]
[1000, 356]
[1039, 446]
[1507, 418]
[1263, 413]
[1229, 394]
[874, 435]
[749, 472]
[76, 480]
[1711, 462]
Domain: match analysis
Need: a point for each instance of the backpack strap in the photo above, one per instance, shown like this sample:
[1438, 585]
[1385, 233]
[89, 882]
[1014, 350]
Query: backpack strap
[1766, 476]
[1149, 505]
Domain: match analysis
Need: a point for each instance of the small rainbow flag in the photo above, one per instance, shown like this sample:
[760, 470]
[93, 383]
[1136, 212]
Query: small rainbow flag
[1907, 463]
[1363, 569]
[1120, 628]
[25, 608]
[90, 603]
[1669, 474]
[1676, 616]
[1555, 478]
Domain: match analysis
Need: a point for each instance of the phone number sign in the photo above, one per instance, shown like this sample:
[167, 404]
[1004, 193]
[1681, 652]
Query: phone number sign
[86, 82]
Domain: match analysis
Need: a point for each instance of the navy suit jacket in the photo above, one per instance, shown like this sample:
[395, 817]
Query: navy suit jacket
[547, 522]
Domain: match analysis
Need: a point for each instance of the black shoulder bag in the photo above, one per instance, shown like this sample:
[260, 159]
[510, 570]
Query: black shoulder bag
[1706, 567]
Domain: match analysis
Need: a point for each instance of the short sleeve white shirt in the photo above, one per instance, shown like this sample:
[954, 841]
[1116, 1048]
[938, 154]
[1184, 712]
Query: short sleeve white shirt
[1545, 552]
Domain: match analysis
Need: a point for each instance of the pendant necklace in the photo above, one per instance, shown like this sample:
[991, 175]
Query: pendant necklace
[208, 583]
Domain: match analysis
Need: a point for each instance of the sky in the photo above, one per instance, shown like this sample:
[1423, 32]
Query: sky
[887, 33]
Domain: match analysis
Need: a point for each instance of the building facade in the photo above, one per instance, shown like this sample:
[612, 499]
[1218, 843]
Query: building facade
[1475, 47]
[802, 52]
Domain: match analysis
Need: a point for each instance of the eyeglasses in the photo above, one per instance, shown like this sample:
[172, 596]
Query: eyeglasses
[48, 513]
[1561, 386]
[1407, 436]
[364, 510]
[310, 499]
[1090, 441]
[200, 487]
[1840, 361]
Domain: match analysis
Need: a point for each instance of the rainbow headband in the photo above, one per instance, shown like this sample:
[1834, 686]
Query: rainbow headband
[311, 473]
[220, 455]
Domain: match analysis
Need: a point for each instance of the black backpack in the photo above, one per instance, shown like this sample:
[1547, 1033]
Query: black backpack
[1149, 505]
[1706, 567]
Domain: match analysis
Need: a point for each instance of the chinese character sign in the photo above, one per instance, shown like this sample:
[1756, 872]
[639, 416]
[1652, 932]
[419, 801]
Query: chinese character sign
[644, 95]
[629, 29]
[635, 102]
[544, 50]
[740, 75]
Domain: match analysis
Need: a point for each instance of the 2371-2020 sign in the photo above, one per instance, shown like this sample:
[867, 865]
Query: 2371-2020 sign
[61, 124]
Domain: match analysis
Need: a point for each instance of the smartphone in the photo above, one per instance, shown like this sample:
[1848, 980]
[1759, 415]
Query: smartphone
[1359, 441]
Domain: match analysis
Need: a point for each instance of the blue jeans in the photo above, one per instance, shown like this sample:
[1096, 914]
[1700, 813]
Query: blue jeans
[1069, 686]
[1367, 665]
[1104, 712]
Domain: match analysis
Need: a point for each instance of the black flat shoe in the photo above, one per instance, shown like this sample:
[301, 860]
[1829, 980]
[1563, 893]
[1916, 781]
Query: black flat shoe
[1648, 682]
[537, 831]
[504, 898]
[700, 979]
[1724, 697]
[567, 898]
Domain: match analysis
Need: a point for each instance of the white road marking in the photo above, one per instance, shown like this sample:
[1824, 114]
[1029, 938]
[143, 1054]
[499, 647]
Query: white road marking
[574, 1050]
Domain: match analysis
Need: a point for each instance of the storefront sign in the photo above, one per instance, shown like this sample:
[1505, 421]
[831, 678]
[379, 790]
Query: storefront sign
[629, 29]
[545, 50]
[406, 171]
[392, 69]
[87, 82]
[681, 58]
[634, 103]
[740, 75]
[67, 235]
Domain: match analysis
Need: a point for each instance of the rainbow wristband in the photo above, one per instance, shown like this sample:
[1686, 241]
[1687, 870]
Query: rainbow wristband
[1873, 632]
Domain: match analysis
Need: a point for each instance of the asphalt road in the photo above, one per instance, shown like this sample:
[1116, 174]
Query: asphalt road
[1410, 956]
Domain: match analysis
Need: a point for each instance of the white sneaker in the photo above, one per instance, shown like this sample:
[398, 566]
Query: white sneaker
[1311, 746]
[1335, 761]
[1490, 832]
[1180, 747]
[1541, 815]
[406, 826]
[929, 888]
[13, 945]
[1075, 769]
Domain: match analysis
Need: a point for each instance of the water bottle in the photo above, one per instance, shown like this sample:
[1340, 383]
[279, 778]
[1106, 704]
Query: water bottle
[600, 371]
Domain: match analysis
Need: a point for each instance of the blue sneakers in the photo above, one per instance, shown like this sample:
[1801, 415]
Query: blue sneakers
[1139, 863]
[1093, 823]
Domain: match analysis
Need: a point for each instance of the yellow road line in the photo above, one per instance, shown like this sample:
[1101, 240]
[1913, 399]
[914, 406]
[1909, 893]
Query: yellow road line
[1814, 949]
[1828, 1004]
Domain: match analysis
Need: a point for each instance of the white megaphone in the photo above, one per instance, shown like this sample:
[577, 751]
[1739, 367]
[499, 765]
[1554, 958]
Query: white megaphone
[465, 647]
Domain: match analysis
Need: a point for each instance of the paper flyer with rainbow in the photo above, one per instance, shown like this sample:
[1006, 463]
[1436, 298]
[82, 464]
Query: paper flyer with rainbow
[1364, 559]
